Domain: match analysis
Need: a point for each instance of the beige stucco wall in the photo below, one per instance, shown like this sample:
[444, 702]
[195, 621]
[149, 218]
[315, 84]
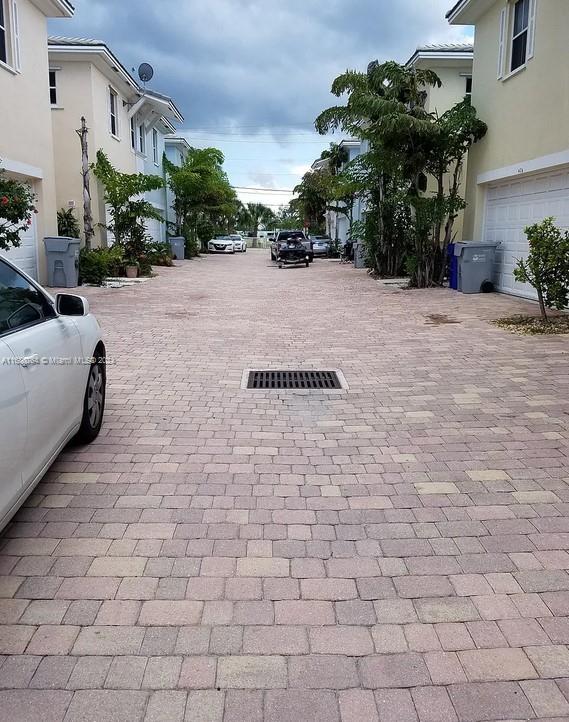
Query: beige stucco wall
[25, 119]
[453, 87]
[452, 91]
[83, 91]
[527, 113]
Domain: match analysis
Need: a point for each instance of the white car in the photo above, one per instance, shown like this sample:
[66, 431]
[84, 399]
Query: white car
[239, 243]
[52, 381]
[221, 244]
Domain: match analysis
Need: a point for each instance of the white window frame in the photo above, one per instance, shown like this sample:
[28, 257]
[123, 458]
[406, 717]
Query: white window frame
[142, 139]
[467, 80]
[16, 45]
[133, 134]
[507, 37]
[53, 87]
[12, 39]
[113, 113]
[155, 146]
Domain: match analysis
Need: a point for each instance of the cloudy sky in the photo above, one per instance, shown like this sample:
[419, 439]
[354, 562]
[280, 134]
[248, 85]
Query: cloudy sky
[250, 76]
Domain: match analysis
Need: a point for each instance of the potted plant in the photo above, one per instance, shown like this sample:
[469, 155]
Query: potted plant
[131, 268]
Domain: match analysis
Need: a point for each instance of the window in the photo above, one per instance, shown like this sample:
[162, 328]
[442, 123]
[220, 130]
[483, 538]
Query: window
[132, 133]
[53, 87]
[469, 86]
[155, 145]
[21, 304]
[3, 33]
[9, 34]
[141, 139]
[16, 36]
[113, 111]
[520, 33]
[517, 36]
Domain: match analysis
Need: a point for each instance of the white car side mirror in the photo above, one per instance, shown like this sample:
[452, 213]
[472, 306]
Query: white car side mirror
[68, 304]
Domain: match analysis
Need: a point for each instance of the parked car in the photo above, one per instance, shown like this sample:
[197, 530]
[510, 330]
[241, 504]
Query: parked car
[52, 381]
[221, 244]
[284, 236]
[321, 245]
[239, 243]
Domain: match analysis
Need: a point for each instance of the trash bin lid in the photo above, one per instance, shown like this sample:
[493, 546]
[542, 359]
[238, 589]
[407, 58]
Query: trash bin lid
[60, 244]
[463, 245]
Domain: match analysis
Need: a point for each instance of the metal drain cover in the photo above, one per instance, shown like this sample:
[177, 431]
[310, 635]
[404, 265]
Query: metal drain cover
[294, 379]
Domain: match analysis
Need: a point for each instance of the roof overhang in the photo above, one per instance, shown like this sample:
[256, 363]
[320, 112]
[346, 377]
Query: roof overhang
[467, 12]
[319, 164]
[100, 56]
[177, 140]
[350, 143]
[55, 8]
[162, 105]
[449, 58]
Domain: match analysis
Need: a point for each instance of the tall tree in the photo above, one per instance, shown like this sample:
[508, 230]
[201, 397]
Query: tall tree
[204, 201]
[128, 210]
[255, 215]
[386, 108]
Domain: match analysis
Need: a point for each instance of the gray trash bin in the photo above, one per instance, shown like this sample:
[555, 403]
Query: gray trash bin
[359, 255]
[476, 263]
[178, 246]
[62, 262]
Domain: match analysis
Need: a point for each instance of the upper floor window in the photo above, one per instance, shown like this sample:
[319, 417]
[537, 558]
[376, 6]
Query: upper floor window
[114, 112]
[132, 133]
[53, 87]
[10, 34]
[520, 34]
[517, 35]
[468, 86]
[3, 33]
[155, 145]
[142, 139]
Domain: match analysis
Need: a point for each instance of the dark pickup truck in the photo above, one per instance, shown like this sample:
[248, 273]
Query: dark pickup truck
[284, 237]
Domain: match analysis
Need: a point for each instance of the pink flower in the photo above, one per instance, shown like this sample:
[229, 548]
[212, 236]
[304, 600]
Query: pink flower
[4, 200]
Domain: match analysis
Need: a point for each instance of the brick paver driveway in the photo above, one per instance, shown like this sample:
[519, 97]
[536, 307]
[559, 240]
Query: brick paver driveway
[395, 552]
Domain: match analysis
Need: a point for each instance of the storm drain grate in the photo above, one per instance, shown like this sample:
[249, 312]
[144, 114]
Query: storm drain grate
[294, 380]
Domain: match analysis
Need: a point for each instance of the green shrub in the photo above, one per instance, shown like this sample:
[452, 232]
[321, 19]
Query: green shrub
[67, 224]
[159, 254]
[17, 205]
[547, 265]
[100, 263]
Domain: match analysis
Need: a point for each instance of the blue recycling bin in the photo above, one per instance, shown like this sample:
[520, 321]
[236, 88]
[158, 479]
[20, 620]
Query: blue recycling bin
[453, 267]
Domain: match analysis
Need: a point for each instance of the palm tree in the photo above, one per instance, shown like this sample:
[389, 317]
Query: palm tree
[255, 215]
[337, 156]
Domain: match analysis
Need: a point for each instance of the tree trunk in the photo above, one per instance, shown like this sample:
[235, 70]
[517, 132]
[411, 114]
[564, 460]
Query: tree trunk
[542, 308]
[85, 173]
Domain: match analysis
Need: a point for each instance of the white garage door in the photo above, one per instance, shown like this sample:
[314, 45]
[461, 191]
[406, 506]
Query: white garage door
[155, 229]
[26, 255]
[513, 205]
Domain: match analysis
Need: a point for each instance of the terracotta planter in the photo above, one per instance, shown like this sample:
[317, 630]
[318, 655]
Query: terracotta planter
[131, 271]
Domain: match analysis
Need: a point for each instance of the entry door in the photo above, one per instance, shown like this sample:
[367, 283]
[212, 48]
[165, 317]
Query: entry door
[13, 428]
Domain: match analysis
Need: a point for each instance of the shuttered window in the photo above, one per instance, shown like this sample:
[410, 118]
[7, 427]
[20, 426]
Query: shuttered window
[3, 32]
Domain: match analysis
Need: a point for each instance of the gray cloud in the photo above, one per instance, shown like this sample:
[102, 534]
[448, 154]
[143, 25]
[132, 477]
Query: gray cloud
[253, 64]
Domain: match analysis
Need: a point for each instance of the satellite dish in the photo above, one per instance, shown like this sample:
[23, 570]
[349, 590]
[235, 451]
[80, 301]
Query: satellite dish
[146, 72]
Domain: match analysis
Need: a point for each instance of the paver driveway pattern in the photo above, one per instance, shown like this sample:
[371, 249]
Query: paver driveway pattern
[394, 552]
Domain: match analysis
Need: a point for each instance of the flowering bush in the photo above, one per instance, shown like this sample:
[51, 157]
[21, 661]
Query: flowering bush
[16, 208]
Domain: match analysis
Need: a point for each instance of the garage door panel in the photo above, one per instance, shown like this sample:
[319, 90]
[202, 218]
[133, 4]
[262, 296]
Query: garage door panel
[25, 256]
[511, 207]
